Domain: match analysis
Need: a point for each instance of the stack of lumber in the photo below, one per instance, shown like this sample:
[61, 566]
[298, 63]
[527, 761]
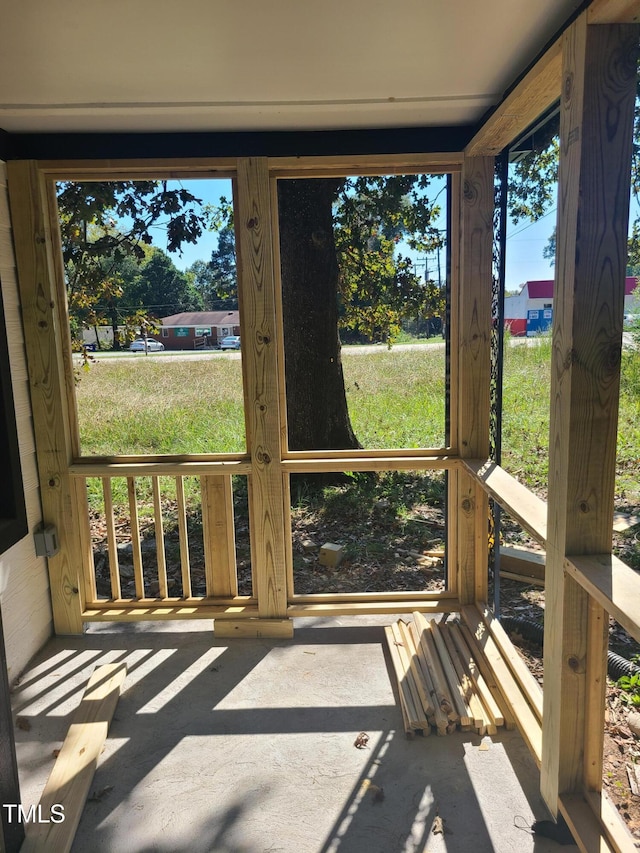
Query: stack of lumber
[444, 681]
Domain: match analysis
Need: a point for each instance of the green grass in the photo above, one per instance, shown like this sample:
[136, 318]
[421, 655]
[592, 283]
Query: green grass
[396, 399]
[161, 406]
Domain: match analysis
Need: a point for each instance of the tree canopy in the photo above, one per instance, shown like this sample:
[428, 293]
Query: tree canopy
[106, 228]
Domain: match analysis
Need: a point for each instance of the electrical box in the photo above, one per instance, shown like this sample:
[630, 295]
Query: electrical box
[45, 538]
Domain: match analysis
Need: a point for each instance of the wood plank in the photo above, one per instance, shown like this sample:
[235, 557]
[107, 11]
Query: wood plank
[130, 169]
[152, 611]
[119, 466]
[72, 774]
[355, 608]
[596, 127]
[42, 299]
[159, 537]
[87, 570]
[475, 675]
[443, 696]
[260, 365]
[616, 830]
[407, 681]
[407, 707]
[136, 550]
[613, 584]
[472, 396]
[368, 164]
[369, 462]
[515, 702]
[181, 512]
[219, 536]
[480, 619]
[524, 506]
[464, 680]
[438, 718]
[614, 12]
[455, 687]
[261, 628]
[411, 654]
[523, 562]
[112, 542]
[538, 90]
[585, 827]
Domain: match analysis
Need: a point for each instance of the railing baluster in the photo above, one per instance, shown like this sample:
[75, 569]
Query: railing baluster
[219, 536]
[114, 571]
[184, 538]
[159, 528]
[135, 537]
[88, 569]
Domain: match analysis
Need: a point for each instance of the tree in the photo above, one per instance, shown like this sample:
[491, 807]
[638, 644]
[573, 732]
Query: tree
[160, 288]
[338, 268]
[106, 225]
[216, 279]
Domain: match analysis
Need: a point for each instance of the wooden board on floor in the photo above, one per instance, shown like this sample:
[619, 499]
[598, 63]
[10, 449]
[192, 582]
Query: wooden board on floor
[72, 774]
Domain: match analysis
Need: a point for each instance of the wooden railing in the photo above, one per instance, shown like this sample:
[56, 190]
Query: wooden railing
[156, 539]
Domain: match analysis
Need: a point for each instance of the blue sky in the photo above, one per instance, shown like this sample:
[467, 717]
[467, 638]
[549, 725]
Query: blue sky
[525, 241]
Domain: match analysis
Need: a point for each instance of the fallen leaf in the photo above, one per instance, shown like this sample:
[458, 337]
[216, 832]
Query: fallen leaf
[361, 741]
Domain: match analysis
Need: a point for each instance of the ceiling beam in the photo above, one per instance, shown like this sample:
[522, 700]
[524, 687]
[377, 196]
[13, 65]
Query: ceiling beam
[540, 87]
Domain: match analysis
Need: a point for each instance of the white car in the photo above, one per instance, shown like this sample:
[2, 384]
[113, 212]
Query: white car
[150, 345]
[230, 342]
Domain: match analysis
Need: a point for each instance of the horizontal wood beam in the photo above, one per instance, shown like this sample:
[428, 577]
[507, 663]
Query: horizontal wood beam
[613, 584]
[526, 508]
[614, 12]
[540, 87]
[538, 90]
[160, 469]
[136, 611]
[373, 164]
[369, 463]
[368, 608]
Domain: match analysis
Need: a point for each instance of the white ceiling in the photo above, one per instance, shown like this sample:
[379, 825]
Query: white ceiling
[152, 65]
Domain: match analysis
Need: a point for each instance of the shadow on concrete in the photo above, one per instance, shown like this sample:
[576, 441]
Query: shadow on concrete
[248, 745]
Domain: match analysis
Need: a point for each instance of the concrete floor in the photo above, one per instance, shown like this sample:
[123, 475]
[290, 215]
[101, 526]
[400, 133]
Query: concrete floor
[247, 746]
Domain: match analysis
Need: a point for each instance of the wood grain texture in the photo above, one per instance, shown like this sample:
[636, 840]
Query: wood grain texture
[159, 537]
[72, 774]
[613, 584]
[257, 287]
[471, 395]
[535, 93]
[527, 508]
[39, 299]
[596, 121]
[219, 536]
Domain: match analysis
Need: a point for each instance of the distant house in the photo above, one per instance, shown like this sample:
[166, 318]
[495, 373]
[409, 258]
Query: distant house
[198, 329]
[537, 297]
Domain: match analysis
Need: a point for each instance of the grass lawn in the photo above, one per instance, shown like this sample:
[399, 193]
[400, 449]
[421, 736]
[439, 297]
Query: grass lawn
[396, 399]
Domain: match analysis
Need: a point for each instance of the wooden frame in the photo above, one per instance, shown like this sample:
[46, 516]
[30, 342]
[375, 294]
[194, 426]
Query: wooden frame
[584, 582]
[266, 462]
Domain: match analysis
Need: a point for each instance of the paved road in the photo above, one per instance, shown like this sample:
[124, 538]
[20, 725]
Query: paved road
[366, 349]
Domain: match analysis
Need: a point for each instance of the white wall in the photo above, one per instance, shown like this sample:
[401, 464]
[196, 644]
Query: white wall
[24, 583]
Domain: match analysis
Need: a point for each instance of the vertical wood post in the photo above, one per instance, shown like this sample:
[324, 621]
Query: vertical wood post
[259, 353]
[472, 395]
[48, 363]
[596, 124]
[219, 536]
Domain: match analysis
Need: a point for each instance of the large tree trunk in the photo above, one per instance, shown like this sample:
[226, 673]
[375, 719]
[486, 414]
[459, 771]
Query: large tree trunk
[317, 414]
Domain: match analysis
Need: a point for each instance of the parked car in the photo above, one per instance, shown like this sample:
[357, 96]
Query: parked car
[230, 342]
[150, 345]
